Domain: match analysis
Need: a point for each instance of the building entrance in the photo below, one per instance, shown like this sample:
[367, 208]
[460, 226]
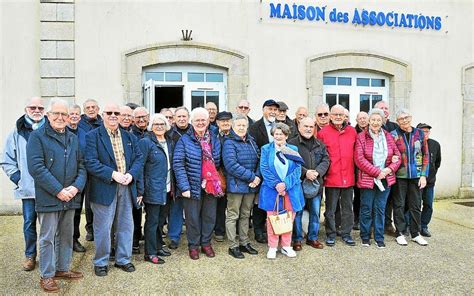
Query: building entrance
[168, 96]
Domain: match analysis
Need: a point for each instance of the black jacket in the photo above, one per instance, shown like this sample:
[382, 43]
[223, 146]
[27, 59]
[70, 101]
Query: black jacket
[390, 126]
[435, 161]
[293, 128]
[315, 156]
[259, 132]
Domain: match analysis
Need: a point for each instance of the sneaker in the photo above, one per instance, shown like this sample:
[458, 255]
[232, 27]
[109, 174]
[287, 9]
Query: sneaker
[272, 253]
[219, 238]
[330, 242]
[425, 232]
[420, 240]
[288, 251]
[401, 240]
[380, 245]
[349, 241]
[366, 242]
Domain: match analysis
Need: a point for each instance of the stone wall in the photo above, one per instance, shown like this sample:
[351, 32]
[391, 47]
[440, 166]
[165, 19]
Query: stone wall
[467, 182]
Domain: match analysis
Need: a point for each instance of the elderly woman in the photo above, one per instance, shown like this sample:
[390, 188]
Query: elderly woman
[280, 166]
[157, 153]
[195, 163]
[411, 178]
[377, 158]
[240, 157]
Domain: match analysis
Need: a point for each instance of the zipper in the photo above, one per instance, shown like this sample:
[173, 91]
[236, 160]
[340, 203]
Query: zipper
[408, 146]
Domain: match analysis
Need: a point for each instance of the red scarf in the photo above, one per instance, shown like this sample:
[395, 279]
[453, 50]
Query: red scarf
[210, 178]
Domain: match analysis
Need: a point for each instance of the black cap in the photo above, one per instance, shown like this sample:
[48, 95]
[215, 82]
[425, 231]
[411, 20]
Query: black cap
[224, 115]
[271, 102]
[283, 106]
[423, 125]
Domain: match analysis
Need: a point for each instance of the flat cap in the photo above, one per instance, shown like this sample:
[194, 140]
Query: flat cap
[283, 106]
[224, 115]
[423, 125]
[270, 102]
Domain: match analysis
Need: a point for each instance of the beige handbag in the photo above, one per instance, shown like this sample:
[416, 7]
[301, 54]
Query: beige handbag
[281, 223]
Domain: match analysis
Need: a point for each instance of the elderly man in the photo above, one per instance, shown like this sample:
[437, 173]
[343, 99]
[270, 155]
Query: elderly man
[90, 120]
[224, 123]
[428, 191]
[362, 120]
[322, 116]
[243, 107]
[211, 107]
[126, 118]
[15, 166]
[389, 126]
[73, 126]
[260, 131]
[411, 178]
[283, 117]
[339, 138]
[316, 160]
[114, 163]
[55, 163]
[168, 113]
[300, 113]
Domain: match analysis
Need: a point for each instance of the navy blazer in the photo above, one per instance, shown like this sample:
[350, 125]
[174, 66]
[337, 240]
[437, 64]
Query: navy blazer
[100, 164]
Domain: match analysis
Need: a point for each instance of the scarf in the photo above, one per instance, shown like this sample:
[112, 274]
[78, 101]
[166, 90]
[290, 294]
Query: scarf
[211, 182]
[35, 125]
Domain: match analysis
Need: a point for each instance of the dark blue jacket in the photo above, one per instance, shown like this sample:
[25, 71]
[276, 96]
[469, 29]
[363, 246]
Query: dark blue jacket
[155, 169]
[240, 158]
[55, 165]
[137, 132]
[187, 162]
[84, 126]
[100, 164]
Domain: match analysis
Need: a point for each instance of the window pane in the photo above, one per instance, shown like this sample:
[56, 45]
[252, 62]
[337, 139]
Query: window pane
[344, 100]
[364, 103]
[378, 82]
[375, 99]
[197, 99]
[214, 77]
[331, 100]
[173, 76]
[213, 96]
[156, 76]
[195, 77]
[329, 80]
[344, 81]
[363, 82]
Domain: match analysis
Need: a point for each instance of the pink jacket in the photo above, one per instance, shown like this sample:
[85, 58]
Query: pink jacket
[364, 148]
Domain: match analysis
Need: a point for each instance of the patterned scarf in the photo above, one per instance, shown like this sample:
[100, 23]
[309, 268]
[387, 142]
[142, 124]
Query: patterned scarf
[211, 182]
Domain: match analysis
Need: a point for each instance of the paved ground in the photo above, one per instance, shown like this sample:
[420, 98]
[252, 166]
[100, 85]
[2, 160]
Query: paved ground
[443, 267]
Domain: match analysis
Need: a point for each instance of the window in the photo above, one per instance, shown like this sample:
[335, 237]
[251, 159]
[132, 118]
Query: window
[173, 76]
[329, 80]
[344, 81]
[157, 76]
[363, 82]
[377, 82]
[195, 77]
[341, 99]
[200, 98]
[214, 77]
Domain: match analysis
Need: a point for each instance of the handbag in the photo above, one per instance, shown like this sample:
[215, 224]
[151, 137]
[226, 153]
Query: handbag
[222, 178]
[281, 222]
[310, 188]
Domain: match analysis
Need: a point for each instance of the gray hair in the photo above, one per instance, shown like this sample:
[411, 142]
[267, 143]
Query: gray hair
[240, 117]
[320, 105]
[89, 101]
[75, 107]
[181, 108]
[160, 117]
[402, 111]
[376, 111]
[135, 111]
[285, 129]
[199, 110]
[57, 101]
[338, 106]
[379, 103]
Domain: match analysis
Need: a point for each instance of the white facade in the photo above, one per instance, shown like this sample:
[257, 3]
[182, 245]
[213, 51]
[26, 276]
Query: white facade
[92, 49]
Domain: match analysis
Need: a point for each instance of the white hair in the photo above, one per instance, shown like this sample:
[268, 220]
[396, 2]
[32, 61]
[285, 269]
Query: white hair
[402, 111]
[376, 111]
[199, 110]
[57, 101]
[160, 117]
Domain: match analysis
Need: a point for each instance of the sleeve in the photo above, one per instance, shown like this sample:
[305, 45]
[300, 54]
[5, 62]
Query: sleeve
[323, 166]
[136, 167]
[142, 144]
[179, 166]
[232, 166]
[267, 174]
[93, 164]
[294, 177]
[37, 166]
[394, 165]
[361, 162]
[426, 156]
[81, 178]
[9, 162]
[438, 158]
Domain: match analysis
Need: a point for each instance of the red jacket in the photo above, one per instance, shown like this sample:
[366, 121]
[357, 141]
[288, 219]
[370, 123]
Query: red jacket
[364, 149]
[340, 145]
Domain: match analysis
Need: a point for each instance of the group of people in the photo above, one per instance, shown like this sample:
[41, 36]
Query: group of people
[217, 172]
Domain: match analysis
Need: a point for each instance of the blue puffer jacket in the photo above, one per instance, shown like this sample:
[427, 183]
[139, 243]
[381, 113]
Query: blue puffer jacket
[155, 170]
[187, 162]
[240, 158]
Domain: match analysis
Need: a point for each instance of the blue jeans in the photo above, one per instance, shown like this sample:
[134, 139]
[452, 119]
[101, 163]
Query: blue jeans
[314, 206]
[427, 209]
[175, 219]
[372, 203]
[29, 226]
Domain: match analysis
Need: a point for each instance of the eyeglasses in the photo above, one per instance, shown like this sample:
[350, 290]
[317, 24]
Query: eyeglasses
[57, 114]
[405, 118]
[144, 117]
[33, 108]
[109, 113]
[159, 124]
[243, 107]
[126, 115]
[169, 117]
[338, 114]
[326, 114]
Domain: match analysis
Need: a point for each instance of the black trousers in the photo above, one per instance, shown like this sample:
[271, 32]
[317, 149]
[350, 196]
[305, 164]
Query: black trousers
[155, 217]
[220, 215]
[89, 213]
[77, 219]
[407, 193]
[356, 204]
[344, 195]
[137, 224]
[389, 209]
[259, 217]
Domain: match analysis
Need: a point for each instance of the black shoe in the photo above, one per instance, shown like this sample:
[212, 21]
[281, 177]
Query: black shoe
[129, 267]
[173, 245]
[349, 241]
[90, 237]
[330, 242]
[356, 226]
[425, 233]
[338, 233]
[236, 253]
[261, 238]
[101, 270]
[248, 249]
[77, 247]
[154, 259]
[112, 254]
[136, 247]
[163, 253]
